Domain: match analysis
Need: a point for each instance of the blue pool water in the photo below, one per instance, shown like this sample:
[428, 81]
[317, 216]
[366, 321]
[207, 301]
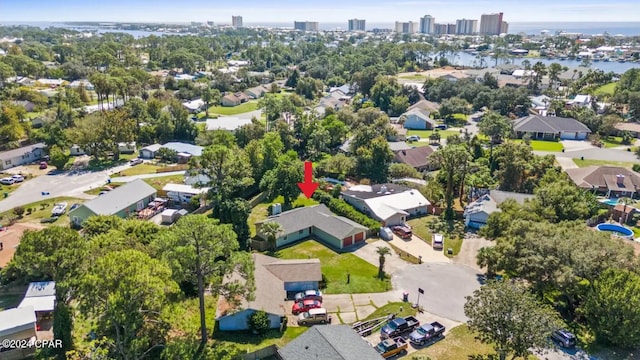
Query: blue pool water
[612, 202]
[617, 230]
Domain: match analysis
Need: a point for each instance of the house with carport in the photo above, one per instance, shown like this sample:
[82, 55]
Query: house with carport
[123, 201]
[550, 128]
[317, 222]
[476, 214]
[275, 281]
[391, 204]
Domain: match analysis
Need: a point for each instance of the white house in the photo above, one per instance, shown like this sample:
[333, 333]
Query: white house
[521, 73]
[40, 296]
[580, 100]
[181, 193]
[127, 147]
[194, 106]
[391, 204]
[82, 82]
[21, 156]
[418, 120]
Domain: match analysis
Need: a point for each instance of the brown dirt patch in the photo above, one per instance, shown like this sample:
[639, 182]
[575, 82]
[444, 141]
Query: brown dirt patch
[10, 238]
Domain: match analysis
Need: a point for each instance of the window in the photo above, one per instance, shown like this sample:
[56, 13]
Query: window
[8, 162]
[300, 232]
[140, 205]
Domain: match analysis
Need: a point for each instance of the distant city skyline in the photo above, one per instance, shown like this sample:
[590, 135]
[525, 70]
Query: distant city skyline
[280, 11]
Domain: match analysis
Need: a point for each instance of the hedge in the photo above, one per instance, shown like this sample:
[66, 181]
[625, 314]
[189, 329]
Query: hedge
[340, 207]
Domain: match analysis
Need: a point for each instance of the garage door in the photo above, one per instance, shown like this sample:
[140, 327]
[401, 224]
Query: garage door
[347, 241]
[359, 237]
[571, 135]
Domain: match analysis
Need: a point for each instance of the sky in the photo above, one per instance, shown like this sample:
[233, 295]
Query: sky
[334, 11]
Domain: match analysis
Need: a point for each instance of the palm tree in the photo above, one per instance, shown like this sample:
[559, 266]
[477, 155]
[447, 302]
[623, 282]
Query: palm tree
[487, 257]
[382, 252]
[271, 230]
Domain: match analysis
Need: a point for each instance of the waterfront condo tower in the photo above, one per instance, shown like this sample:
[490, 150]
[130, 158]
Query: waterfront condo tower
[305, 25]
[236, 21]
[427, 24]
[357, 25]
[491, 24]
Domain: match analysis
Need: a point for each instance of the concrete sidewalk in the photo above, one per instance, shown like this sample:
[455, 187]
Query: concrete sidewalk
[566, 163]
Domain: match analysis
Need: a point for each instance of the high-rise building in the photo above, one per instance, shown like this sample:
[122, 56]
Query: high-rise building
[236, 21]
[491, 24]
[305, 25]
[444, 29]
[451, 29]
[504, 28]
[357, 25]
[210, 23]
[466, 27]
[427, 23]
[406, 27]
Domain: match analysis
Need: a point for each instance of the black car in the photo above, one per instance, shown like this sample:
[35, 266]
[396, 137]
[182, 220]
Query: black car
[564, 338]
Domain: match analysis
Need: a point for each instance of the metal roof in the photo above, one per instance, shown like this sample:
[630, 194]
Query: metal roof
[194, 150]
[120, 198]
[16, 320]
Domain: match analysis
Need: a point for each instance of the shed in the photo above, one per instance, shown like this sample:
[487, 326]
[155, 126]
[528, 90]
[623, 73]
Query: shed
[169, 216]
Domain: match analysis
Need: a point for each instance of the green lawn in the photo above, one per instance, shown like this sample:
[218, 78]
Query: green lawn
[184, 316]
[159, 182]
[99, 189]
[414, 77]
[400, 309]
[459, 343]
[612, 141]
[606, 90]
[234, 110]
[420, 227]
[541, 145]
[335, 267]
[42, 210]
[588, 162]
[250, 342]
[418, 143]
[424, 134]
[8, 188]
[139, 170]
[259, 212]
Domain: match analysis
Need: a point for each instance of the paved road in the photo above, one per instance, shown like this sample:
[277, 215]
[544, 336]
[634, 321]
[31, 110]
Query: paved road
[72, 184]
[445, 287]
[145, 176]
[595, 154]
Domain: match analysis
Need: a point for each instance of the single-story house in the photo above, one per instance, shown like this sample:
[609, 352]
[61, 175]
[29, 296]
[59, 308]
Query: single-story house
[391, 204]
[50, 82]
[227, 123]
[82, 82]
[122, 201]
[181, 193]
[540, 104]
[522, 73]
[274, 279]
[580, 101]
[345, 89]
[149, 151]
[335, 342]
[21, 156]
[416, 157]
[632, 127]
[186, 77]
[317, 221]
[256, 92]
[196, 179]
[194, 106]
[234, 99]
[611, 181]
[454, 76]
[476, 214]
[27, 105]
[418, 120]
[398, 145]
[127, 147]
[425, 105]
[550, 127]
[400, 133]
[75, 150]
[18, 324]
[37, 122]
[41, 297]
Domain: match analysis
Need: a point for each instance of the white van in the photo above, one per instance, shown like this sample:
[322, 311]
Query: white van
[437, 241]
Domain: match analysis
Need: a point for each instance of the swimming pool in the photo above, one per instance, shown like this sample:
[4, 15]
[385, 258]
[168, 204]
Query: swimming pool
[611, 202]
[616, 229]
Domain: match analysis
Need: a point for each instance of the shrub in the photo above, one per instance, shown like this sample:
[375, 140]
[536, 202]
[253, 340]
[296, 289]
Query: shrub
[259, 322]
[636, 167]
[18, 211]
[341, 208]
[29, 211]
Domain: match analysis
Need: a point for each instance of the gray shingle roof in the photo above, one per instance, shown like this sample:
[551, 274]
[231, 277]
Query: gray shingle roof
[605, 177]
[120, 197]
[179, 147]
[329, 342]
[10, 154]
[549, 124]
[318, 216]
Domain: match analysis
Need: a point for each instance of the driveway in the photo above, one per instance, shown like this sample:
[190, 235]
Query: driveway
[566, 163]
[419, 248]
[368, 253]
[445, 287]
[470, 246]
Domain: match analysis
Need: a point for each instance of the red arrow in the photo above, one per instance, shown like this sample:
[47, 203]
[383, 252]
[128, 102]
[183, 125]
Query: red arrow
[308, 187]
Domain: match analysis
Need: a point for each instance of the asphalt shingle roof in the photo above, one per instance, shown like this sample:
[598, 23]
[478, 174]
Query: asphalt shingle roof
[415, 157]
[120, 197]
[605, 177]
[10, 154]
[318, 216]
[549, 124]
[329, 342]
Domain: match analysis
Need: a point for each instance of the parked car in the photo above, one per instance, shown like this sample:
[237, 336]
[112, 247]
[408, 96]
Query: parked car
[399, 327]
[392, 347]
[314, 316]
[18, 178]
[413, 138]
[136, 161]
[441, 127]
[402, 231]
[426, 333]
[7, 181]
[74, 206]
[309, 295]
[437, 241]
[564, 338]
[305, 305]
[59, 209]
[43, 165]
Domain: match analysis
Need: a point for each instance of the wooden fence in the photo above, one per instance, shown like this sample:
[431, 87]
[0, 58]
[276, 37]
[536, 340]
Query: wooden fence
[263, 353]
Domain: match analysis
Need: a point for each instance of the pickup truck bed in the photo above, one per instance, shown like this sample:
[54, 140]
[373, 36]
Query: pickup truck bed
[392, 347]
[399, 327]
[427, 333]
